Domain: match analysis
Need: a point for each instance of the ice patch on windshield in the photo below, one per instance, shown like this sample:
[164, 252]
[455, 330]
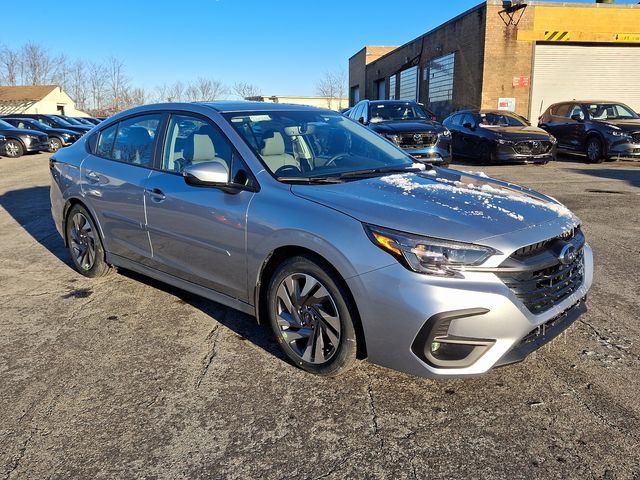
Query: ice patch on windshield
[489, 196]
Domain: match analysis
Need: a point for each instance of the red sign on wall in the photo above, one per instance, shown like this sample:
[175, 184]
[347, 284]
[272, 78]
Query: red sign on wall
[521, 81]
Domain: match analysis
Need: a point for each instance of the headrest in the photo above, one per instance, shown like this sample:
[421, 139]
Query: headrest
[273, 145]
[138, 136]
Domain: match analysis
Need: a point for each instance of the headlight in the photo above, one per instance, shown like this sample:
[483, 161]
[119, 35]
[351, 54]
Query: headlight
[617, 133]
[430, 256]
[66, 136]
[553, 139]
[392, 138]
[502, 141]
[445, 133]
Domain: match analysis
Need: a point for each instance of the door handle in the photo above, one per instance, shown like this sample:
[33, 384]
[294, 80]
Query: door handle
[93, 177]
[156, 194]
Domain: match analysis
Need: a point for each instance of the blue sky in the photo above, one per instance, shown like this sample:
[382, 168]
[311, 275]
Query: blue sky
[282, 46]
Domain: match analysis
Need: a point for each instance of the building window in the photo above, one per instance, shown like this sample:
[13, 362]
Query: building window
[409, 84]
[441, 72]
[380, 91]
[392, 87]
[354, 93]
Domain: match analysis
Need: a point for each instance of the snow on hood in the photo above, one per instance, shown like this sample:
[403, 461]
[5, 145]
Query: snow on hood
[441, 203]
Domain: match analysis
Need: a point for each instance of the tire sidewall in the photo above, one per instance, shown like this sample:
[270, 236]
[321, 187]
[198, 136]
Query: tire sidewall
[99, 267]
[20, 151]
[346, 354]
[598, 142]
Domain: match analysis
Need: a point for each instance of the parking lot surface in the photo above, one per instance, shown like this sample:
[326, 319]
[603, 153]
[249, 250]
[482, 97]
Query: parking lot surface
[124, 377]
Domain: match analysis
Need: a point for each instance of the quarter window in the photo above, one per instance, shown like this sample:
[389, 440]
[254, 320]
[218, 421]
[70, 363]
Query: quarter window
[105, 142]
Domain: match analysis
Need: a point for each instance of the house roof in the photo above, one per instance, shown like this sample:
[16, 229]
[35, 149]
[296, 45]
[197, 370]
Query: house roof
[30, 93]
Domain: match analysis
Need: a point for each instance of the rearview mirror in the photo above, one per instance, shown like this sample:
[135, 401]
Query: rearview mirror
[206, 174]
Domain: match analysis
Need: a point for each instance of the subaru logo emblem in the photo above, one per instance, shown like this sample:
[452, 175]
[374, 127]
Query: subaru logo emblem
[568, 254]
[417, 138]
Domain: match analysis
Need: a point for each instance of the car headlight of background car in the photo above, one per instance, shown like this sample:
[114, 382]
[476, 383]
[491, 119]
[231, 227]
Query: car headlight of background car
[502, 141]
[617, 133]
[445, 133]
[553, 139]
[393, 138]
[431, 256]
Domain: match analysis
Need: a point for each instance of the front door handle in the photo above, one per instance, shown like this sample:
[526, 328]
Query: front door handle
[156, 194]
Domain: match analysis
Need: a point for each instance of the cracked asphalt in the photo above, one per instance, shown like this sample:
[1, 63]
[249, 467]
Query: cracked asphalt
[124, 377]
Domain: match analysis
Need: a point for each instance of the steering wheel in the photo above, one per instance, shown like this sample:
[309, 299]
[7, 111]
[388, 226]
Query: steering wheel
[332, 160]
[287, 170]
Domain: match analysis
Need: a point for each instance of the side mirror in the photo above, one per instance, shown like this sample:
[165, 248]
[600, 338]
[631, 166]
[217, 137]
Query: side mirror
[206, 174]
[577, 117]
[361, 120]
[468, 125]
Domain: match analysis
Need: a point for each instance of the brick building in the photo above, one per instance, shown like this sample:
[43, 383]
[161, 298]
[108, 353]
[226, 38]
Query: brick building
[520, 56]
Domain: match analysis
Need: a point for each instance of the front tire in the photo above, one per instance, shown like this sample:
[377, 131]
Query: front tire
[85, 245]
[311, 318]
[594, 150]
[55, 144]
[14, 148]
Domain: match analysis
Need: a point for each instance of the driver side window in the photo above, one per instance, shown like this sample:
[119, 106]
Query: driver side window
[192, 140]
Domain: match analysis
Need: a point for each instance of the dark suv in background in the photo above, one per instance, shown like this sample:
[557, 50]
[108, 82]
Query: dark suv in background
[58, 137]
[496, 136]
[53, 121]
[20, 141]
[407, 124]
[601, 130]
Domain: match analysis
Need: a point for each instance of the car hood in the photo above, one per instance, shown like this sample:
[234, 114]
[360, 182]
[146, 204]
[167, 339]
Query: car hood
[405, 126]
[61, 131]
[519, 133]
[441, 203]
[630, 125]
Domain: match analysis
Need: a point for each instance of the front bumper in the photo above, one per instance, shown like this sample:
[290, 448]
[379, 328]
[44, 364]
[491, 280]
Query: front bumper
[436, 154]
[507, 154]
[37, 146]
[623, 149]
[396, 306]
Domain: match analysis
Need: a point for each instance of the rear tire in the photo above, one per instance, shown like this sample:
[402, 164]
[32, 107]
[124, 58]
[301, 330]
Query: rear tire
[311, 318]
[14, 148]
[85, 244]
[594, 150]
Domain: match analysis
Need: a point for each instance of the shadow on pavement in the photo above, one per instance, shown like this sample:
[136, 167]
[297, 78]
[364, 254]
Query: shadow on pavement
[629, 175]
[31, 208]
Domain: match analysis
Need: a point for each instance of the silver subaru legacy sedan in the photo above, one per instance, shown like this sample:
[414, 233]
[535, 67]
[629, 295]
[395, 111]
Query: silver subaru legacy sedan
[330, 234]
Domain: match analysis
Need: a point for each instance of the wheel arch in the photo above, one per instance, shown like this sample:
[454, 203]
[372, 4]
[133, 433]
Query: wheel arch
[65, 216]
[268, 268]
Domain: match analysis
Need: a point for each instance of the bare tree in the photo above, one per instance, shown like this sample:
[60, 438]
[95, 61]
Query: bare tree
[203, 90]
[37, 63]
[97, 74]
[79, 90]
[133, 97]
[61, 72]
[117, 82]
[10, 63]
[176, 92]
[333, 86]
[245, 90]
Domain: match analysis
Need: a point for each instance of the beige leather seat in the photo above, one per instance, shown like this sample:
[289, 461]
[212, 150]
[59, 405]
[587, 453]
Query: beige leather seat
[273, 153]
[203, 149]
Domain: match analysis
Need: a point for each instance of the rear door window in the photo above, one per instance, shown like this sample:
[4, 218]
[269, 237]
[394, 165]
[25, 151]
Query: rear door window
[135, 140]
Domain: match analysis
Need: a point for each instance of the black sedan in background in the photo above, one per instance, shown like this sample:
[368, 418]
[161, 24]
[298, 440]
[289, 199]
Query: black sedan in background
[407, 124]
[601, 130]
[58, 137]
[495, 136]
[53, 121]
[20, 141]
[3, 141]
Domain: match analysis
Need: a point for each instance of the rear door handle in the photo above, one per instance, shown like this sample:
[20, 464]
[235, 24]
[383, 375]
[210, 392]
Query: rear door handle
[93, 177]
[156, 194]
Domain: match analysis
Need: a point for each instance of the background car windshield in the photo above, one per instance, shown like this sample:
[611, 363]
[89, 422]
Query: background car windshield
[610, 111]
[497, 120]
[314, 144]
[396, 111]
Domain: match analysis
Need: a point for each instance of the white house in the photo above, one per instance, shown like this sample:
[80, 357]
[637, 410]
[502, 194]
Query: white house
[47, 99]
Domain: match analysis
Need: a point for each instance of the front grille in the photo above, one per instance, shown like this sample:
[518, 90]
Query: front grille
[539, 246]
[636, 137]
[532, 147]
[541, 289]
[417, 140]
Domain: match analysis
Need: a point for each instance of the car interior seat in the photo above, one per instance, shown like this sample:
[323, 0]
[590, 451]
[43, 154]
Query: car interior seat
[273, 152]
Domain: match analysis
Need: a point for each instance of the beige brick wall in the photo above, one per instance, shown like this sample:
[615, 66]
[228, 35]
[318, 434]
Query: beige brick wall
[358, 65]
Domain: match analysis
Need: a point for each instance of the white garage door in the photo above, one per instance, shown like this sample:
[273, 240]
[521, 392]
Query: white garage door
[568, 72]
[409, 84]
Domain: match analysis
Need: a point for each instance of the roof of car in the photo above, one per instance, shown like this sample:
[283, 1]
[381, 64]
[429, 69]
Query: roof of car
[391, 102]
[246, 106]
[585, 101]
[474, 111]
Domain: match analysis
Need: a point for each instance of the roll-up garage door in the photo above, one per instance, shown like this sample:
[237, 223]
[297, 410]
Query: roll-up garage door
[409, 84]
[568, 72]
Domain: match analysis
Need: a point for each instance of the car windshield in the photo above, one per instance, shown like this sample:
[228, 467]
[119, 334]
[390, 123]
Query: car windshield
[4, 124]
[381, 112]
[71, 121]
[59, 122]
[610, 111]
[315, 144]
[499, 120]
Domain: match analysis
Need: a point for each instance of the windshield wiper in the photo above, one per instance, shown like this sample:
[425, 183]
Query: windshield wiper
[309, 179]
[376, 171]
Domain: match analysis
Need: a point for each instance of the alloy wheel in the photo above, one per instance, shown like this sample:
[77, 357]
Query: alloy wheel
[12, 149]
[307, 318]
[593, 150]
[83, 241]
[54, 145]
